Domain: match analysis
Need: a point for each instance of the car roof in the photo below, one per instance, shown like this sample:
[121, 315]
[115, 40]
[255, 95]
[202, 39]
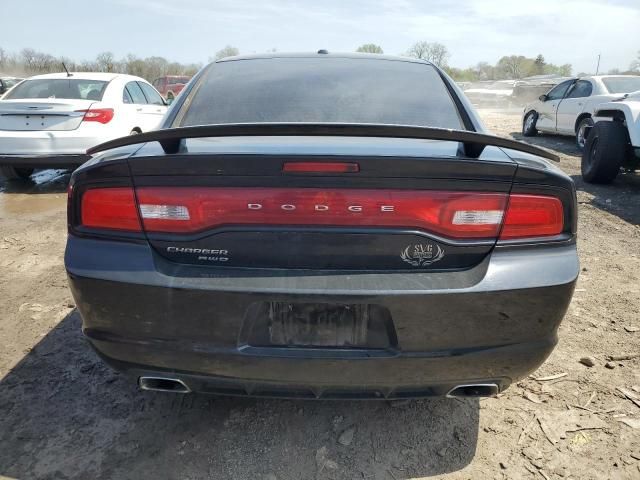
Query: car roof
[600, 77]
[358, 56]
[106, 77]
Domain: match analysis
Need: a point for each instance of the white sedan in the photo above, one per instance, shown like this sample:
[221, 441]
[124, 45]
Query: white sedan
[567, 109]
[49, 121]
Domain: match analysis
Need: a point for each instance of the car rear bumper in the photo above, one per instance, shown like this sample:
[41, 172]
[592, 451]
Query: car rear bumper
[494, 323]
[44, 161]
[44, 143]
[410, 375]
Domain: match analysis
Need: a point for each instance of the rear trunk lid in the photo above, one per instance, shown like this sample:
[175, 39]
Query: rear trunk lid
[280, 202]
[42, 114]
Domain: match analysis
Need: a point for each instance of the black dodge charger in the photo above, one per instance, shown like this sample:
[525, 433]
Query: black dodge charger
[322, 226]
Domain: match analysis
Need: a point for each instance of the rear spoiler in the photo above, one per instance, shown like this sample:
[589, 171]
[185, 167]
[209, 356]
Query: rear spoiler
[473, 143]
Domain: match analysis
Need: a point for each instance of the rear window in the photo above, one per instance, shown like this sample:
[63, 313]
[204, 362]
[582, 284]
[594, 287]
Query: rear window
[622, 84]
[71, 89]
[341, 90]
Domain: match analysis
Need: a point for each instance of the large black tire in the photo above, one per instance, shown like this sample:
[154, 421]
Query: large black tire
[604, 152]
[581, 139]
[529, 124]
[14, 173]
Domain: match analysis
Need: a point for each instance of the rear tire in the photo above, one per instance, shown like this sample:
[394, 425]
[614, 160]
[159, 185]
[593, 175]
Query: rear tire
[604, 152]
[580, 132]
[529, 124]
[15, 173]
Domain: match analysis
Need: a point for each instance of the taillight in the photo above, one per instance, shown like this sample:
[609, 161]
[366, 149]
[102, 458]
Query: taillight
[100, 115]
[110, 208]
[450, 214]
[456, 215]
[530, 216]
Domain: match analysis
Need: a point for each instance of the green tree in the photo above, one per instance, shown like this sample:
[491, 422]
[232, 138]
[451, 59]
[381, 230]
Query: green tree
[513, 67]
[370, 48]
[30, 61]
[433, 52]
[227, 51]
[462, 75]
[635, 65]
[27, 57]
[538, 66]
[105, 62]
[134, 65]
[70, 64]
[191, 69]
[484, 71]
[565, 70]
[156, 67]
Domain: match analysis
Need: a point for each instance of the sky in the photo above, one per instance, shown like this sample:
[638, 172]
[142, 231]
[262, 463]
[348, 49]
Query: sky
[564, 31]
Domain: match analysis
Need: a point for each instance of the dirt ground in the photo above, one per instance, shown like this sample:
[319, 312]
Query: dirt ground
[64, 415]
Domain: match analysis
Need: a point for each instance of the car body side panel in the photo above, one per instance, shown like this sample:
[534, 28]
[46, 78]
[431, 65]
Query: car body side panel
[567, 112]
[547, 115]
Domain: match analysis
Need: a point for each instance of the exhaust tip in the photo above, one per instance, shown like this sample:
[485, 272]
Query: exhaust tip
[474, 390]
[163, 384]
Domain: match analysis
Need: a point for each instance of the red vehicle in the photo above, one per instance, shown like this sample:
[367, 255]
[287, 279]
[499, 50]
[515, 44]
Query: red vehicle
[170, 86]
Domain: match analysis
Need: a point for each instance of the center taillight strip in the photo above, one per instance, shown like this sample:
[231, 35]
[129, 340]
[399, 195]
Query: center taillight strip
[458, 215]
[449, 214]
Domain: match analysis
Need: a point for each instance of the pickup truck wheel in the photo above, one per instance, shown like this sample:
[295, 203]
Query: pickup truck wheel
[581, 131]
[15, 173]
[604, 152]
[529, 124]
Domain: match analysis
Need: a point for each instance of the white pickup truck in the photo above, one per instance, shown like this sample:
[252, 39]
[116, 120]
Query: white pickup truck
[614, 140]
